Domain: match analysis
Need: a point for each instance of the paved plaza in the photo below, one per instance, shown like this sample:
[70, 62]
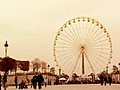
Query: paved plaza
[74, 87]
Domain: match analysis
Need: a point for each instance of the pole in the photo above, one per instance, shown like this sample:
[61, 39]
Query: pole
[48, 74]
[5, 74]
[5, 51]
[6, 46]
[83, 70]
[59, 71]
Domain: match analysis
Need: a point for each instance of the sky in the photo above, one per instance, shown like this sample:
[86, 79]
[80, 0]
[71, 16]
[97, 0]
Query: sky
[30, 26]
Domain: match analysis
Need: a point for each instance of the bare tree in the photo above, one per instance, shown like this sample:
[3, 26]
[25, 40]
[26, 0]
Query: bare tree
[36, 64]
[43, 66]
[52, 70]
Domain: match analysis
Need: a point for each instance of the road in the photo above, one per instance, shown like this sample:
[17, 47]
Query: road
[75, 87]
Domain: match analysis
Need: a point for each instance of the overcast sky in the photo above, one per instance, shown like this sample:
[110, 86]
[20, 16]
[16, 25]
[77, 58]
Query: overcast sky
[30, 26]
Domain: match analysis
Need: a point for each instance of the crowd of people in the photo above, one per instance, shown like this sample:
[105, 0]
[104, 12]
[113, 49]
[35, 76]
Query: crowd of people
[104, 78]
[37, 80]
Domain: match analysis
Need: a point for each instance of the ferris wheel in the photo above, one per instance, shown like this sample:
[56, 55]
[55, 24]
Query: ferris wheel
[82, 46]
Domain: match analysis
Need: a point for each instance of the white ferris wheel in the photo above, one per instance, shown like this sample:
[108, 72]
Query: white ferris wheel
[83, 46]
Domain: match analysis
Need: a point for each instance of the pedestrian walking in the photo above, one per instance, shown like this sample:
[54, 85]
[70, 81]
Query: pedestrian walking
[105, 80]
[34, 81]
[101, 78]
[45, 81]
[109, 79]
[4, 80]
[16, 81]
[105, 75]
[40, 80]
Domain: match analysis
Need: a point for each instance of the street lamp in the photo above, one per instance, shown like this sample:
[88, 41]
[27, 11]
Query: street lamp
[59, 71]
[48, 68]
[5, 74]
[48, 74]
[6, 46]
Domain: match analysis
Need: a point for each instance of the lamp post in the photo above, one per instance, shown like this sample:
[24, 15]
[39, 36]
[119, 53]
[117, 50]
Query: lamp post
[5, 74]
[48, 74]
[48, 68]
[6, 47]
[59, 71]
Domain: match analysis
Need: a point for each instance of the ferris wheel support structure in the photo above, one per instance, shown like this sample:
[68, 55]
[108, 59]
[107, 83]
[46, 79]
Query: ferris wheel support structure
[83, 69]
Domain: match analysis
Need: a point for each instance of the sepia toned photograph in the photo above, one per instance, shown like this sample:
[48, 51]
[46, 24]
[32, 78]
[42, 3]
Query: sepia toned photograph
[59, 45]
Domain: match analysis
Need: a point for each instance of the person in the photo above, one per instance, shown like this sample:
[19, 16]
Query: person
[40, 80]
[4, 80]
[109, 79]
[105, 80]
[22, 84]
[45, 81]
[26, 84]
[16, 81]
[104, 73]
[101, 78]
[34, 81]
